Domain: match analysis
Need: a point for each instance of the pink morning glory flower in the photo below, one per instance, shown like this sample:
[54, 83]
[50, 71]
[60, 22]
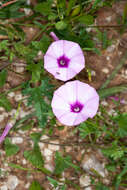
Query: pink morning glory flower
[9, 125]
[64, 59]
[74, 102]
[6, 130]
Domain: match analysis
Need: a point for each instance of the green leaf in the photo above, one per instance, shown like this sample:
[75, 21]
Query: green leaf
[44, 8]
[103, 93]
[63, 187]
[62, 163]
[12, 11]
[16, 166]
[71, 3]
[61, 8]
[34, 156]
[4, 102]
[45, 42]
[10, 148]
[87, 129]
[86, 19]
[115, 152]
[96, 2]
[4, 45]
[53, 182]
[3, 75]
[125, 13]
[36, 70]
[121, 120]
[61, 25]
[100, 186]
[36, 97]
[119, 177]
[35, 185]
[35, 136]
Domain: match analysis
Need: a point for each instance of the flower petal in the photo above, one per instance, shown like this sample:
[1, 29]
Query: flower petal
[70, 73]
[67, 92]
[79, 119]
[50, 62]
[61, 74]
[68, 119]
[56, 49]
[91, 107]
[85, 92]
[77, 63]
[59, 103]
[71, 49]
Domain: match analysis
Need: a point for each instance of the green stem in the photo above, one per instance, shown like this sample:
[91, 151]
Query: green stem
[113, 74]
[103, 93]
[41, 31]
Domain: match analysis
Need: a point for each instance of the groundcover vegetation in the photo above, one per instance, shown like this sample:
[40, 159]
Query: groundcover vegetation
[53, 40]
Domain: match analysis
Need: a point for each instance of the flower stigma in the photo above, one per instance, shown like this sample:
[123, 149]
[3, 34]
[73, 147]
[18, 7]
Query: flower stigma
[63, 61]
[76, 107]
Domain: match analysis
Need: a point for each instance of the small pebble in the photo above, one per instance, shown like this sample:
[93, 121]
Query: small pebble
[41, 145]
[88, 188]
[27, 11]
[44, 137]
[111, 48]
[12, 182]
[11, 94]
[112, 112]
[108, 19]
[104, 103]
[20, 69]
[88, 29]
[125, 72]
[47, 152]
[22, 113]
[24, 161]
[120, 53]
[12, 112]
[1, 118]
[49, 167]
[4, 187]
[17, 140]
[5, 114]
[40, 53]
[3, 172]
[6, 164]
[31, 30]
[105, 70]
[93, 73]
[48, 158]
[108, 58]
[90, 162]
[54, 147]
[2, 109]
[84, 180]
[18, 97]
[27, 185]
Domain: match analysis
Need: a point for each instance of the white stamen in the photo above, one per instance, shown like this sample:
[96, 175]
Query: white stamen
[76, 109]
[62, 62]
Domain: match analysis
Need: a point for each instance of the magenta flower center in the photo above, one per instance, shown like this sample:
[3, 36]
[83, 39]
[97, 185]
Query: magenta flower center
[63, 61]
[76, 107]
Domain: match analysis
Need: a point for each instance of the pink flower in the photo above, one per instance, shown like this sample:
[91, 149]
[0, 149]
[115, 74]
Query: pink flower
[75, 102]
[64, 59]
[6, 131]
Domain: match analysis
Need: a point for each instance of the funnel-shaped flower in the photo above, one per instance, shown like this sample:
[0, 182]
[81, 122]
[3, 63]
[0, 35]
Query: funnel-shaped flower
[64, 59]
[75, 102]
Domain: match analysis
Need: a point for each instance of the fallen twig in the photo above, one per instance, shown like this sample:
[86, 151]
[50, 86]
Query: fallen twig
[8, 3]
